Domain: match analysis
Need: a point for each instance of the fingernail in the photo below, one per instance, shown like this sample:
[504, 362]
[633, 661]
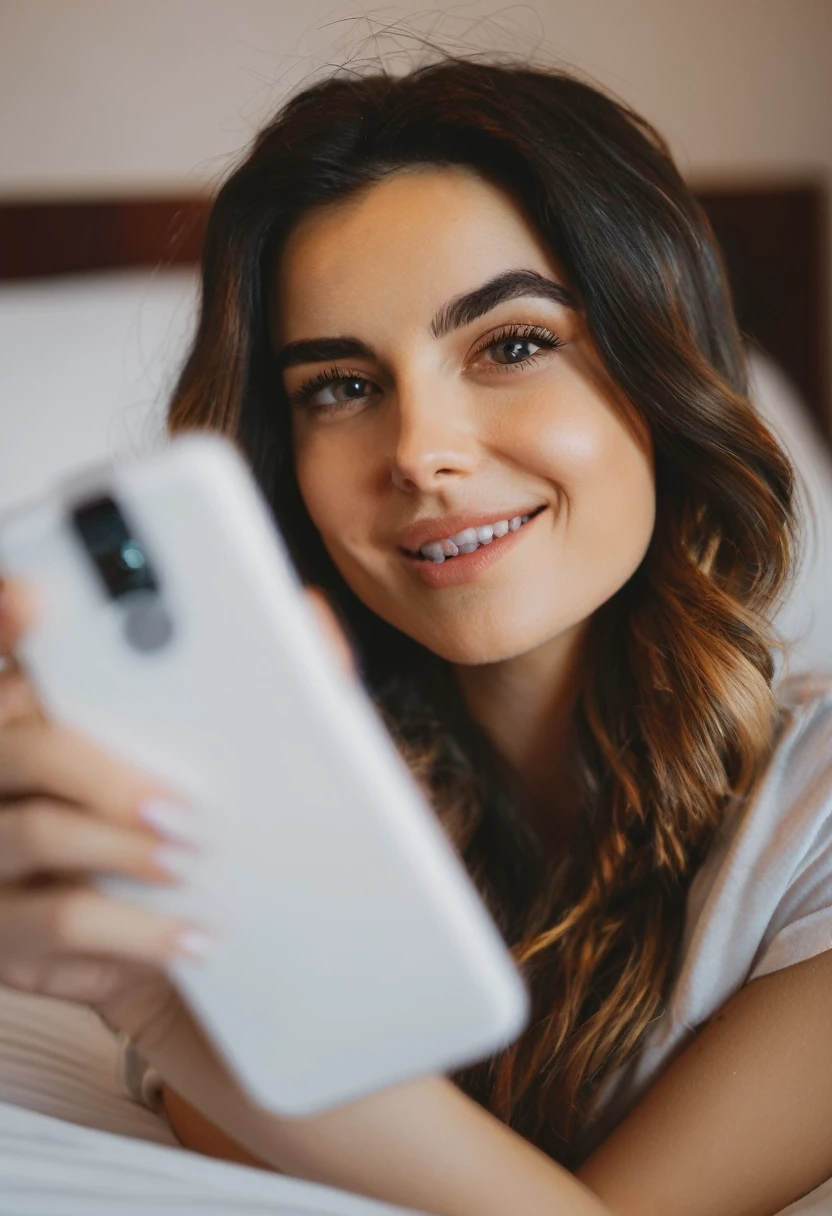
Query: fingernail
[174, 860]
[170, 820]
[193, 943]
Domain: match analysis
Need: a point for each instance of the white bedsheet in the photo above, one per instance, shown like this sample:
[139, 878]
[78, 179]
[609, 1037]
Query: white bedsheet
[71, 1141]
[52, 1168]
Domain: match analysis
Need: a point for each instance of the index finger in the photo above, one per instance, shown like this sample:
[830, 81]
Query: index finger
[44, 759]
[331, 628]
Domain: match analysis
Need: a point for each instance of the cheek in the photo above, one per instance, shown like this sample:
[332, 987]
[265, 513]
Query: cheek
[602, 489]
[321, 481]
[333, 486]
[605, 478]
[598, 462]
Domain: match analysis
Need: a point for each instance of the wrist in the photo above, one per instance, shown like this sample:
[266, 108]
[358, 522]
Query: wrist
[146, 1012]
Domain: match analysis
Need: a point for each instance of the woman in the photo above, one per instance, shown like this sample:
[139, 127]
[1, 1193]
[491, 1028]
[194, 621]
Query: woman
[472, 331]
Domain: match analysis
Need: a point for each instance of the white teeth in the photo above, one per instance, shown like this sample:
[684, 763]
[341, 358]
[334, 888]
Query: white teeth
[433, 551]
[470, 539]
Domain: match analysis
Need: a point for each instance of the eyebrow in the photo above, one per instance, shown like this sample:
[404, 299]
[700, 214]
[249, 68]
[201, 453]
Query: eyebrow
[454, 315]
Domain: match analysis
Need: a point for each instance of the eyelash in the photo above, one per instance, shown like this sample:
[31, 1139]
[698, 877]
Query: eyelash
[335, 375]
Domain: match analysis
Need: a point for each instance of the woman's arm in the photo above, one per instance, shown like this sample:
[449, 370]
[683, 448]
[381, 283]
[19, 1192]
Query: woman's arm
[422, 1145]
[738, 1125]
[200, 1135]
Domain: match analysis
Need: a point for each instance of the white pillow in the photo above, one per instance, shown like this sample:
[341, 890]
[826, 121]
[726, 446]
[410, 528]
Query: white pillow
[87, 368]
[806, 617]
[87, 365]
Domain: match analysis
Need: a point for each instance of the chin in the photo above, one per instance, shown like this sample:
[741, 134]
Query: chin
[474, 647]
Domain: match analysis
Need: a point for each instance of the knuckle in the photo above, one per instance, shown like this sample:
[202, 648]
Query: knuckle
[12, 693]
[36, 831]
[24, 751]
[69, 917]
[12, 739]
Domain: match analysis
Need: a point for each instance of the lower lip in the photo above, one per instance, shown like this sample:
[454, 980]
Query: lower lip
[467, 566]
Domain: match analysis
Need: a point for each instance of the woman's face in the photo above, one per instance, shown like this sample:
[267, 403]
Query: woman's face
[441, 380]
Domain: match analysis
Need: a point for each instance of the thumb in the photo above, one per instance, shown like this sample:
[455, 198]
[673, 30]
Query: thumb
[17, 612]
[334, 635]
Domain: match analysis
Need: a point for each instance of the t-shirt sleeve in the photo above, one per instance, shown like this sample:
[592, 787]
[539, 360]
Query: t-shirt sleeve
[801, 922]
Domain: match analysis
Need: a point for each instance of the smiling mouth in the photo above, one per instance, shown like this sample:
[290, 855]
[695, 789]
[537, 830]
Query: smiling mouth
[470, 539]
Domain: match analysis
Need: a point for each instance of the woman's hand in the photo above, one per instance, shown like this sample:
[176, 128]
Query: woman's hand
[68, 812]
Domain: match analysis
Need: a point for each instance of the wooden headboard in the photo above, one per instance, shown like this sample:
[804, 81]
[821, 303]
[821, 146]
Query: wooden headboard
[775, 244]
[774, 239]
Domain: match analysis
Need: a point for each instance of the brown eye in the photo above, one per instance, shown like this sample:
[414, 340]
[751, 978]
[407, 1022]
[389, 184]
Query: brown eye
[331, 390]
[517, 351]
[347, 390]
[515, 345]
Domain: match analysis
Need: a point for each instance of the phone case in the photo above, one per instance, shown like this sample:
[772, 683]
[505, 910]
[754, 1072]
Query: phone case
[351, 948]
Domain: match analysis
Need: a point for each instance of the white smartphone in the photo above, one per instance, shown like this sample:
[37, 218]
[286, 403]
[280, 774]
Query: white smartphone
[351, 949]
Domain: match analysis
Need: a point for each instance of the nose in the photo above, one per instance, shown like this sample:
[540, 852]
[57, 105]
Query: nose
[435, 443]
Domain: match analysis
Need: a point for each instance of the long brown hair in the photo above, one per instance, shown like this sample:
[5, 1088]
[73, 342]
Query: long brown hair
[675, 719]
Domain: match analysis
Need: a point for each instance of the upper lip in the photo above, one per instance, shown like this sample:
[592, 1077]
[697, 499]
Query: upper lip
[428, 530]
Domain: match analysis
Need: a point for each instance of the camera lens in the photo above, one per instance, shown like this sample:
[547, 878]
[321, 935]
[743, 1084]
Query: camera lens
[113, 546]
[132, 557]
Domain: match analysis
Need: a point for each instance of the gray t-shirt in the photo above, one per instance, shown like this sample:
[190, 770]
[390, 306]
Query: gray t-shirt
[761, 900]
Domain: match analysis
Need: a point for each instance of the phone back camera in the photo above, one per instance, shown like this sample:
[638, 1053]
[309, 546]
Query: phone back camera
[125, 570]
[116, 551]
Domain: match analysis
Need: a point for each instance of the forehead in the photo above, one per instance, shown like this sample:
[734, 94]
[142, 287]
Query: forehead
[405, 244]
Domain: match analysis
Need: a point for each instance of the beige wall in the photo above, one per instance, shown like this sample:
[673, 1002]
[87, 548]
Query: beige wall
[107, 96]
[104, 95]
